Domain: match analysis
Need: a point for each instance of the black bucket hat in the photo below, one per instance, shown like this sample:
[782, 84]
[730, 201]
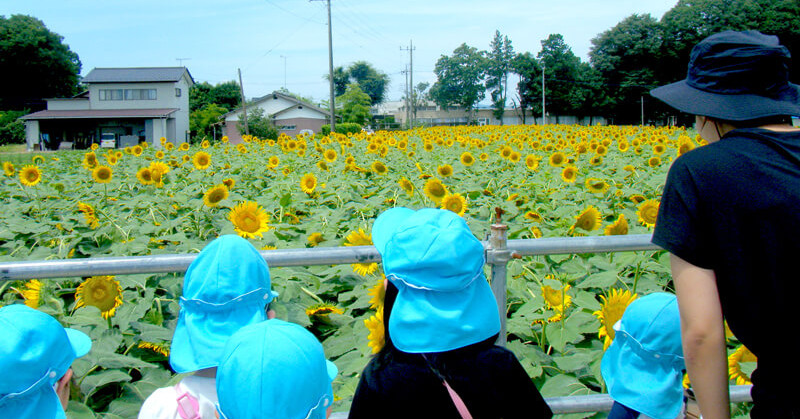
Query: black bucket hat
[735, 76]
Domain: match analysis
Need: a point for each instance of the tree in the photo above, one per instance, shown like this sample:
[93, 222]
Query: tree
[459, 78]
[201, 121]
[561, 76]
[498, 66]
[627, 59]
[260, 125]
[226, 95]
[529, 87]
[371, 81]
[35, 64]
[355, 105]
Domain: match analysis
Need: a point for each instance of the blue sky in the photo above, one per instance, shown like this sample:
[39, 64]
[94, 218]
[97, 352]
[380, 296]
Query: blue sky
[216, 37]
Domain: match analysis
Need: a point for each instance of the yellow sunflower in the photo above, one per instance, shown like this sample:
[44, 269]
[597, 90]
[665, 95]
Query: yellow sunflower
[557, 159]
[214, 195]
[308, 183]
[659, 149]
[169, 146]
[376, 329]
[323, 310]
[406, 185]
[377, 294]
[597, 186]
[685, 146]
[145, 176]
[329, 155]
[648, 211]
[229, 183]
[589, 219]
[360, 238]
[183, 146]
[611, 310]
[483, 156]
[596, 160]
[30, 175]
[435, 190]
[467, 159]
[617, 228]
[742, 354]
[159, 154]
[379, 168]
[445, 170]
[557, 300]
[159, 348]
[654, 161]
[569, 174]
[274, 161]
[315, 239]
[160, 167]
[201, 160]
[205, 144]
[249, 219]
[637, 198]
[89, 215]
[32, 293]
[102, 174]
[455, 203]
[137, 150]
[533, 216]
[536, 232]
[8, 169]
[102, 292]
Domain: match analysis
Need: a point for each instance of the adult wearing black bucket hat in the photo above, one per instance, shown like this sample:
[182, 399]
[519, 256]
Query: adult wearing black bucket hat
[730, 217]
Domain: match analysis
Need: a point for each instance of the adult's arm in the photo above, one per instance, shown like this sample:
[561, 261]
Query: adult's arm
[703, 336]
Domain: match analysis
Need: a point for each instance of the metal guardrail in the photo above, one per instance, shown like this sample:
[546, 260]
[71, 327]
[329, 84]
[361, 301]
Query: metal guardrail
[499, 251]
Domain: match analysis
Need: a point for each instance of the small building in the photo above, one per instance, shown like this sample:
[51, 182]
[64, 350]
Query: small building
[289, 115]
[121, 106]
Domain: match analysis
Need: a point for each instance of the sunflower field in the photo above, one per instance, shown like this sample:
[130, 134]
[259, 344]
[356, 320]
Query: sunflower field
[550, 181]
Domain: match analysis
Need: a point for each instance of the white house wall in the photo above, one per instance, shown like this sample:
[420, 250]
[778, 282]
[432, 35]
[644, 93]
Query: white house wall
[300, 113]
[165, 96]
[182, 115]
[67, 104]
[270, 106]
[31, 133]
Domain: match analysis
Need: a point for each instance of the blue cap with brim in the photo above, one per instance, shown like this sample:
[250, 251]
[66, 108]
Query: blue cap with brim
[643, 367]
[35, 352]
[225, 288]
[274, 369]
[444, 301]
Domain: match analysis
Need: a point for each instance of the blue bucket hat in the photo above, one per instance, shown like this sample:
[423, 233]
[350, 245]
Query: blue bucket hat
[643, 367]
[225, 288]
[443, 301]
[735, 76]
[35, 352]
[274, 369]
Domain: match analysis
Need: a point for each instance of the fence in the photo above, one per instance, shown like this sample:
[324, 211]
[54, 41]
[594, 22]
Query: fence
[499, 251]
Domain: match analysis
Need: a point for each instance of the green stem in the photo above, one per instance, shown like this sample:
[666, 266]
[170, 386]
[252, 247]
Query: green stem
[636, 276]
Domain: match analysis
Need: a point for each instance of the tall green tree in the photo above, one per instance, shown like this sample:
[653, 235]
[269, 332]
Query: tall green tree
[459, 79]
[225, 95]
[35, 64]
[260, 125]
[562, 81]
[355, 105]
[628, 58]
[529, 87]
[201, 121]
[498, 65]
[371, 81]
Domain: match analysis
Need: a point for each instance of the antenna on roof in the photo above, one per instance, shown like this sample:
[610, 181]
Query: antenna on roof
[181, 60]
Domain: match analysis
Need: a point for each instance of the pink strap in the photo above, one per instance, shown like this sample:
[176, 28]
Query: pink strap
[462, 408]
[188, 407]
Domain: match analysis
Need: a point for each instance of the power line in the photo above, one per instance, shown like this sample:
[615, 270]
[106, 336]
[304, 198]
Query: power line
[293, 13]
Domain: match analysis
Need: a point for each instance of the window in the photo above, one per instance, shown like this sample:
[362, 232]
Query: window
[177, 92]
[127, 94]
[287, 127]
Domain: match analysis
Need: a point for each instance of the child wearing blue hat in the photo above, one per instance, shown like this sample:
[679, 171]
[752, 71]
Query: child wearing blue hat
[441, 321]
[225, 288]
[274, 369]
[36, 353]
[643, 367]
[729, 218]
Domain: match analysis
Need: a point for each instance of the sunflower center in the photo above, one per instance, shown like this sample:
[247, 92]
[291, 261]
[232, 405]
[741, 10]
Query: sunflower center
[248, 222]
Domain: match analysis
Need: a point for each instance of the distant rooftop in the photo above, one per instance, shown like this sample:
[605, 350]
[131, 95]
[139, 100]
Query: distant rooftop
[136, 75]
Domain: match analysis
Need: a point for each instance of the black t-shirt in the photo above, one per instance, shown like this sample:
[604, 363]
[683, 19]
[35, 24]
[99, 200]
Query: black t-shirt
[488, 378]
[733, 206]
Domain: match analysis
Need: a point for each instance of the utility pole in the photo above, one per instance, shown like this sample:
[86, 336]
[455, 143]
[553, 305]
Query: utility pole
[413, 110]
[330, 66]
[181, 60]
[642, 99]
[544, 114]
[408, 101]
[284, 72]
[244, 103]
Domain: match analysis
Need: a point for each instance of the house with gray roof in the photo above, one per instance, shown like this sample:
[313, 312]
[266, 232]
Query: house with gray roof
[289, 115]
[121, 106]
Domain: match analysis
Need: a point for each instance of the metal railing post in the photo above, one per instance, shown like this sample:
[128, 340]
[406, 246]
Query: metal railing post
[498, 255]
